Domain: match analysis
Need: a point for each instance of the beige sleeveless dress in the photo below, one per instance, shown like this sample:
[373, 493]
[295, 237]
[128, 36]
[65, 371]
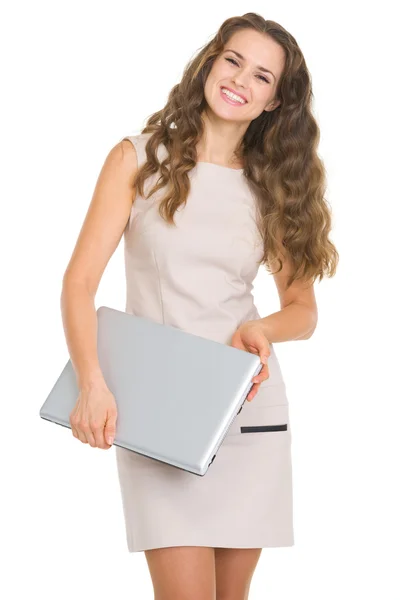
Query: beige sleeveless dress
[198, 277]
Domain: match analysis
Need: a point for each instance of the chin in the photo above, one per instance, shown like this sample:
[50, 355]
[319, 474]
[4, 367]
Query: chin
[221, 114]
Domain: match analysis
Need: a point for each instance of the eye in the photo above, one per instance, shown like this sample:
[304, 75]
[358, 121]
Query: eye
[231, 60]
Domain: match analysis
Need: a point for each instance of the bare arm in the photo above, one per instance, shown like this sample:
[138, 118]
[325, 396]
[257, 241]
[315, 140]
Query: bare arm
[98, 239]
[296, 321]
[298, 316]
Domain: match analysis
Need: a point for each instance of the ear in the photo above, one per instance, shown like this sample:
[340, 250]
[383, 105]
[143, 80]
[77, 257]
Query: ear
[270, 107]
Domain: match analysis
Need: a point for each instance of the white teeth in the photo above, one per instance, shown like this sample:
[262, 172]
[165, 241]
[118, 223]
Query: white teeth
[233, 96]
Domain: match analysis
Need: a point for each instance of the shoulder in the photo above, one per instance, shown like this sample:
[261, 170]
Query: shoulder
[123, 160]
[135, 145]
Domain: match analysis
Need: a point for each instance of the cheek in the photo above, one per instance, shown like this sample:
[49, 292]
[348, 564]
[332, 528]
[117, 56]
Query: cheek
[219, 73]
[211, 88]
[208, 89]
[260, 100]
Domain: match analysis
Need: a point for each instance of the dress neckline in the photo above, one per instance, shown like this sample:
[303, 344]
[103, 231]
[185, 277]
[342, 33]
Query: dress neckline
[202, 162]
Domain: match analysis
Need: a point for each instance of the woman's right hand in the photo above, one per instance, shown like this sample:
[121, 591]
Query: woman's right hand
[93, 419]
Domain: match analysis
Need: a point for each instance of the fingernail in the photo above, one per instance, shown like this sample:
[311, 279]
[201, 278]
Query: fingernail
[109, 441]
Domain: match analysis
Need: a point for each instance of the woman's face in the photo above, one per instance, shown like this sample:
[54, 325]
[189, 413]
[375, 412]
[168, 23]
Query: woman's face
[238, 68]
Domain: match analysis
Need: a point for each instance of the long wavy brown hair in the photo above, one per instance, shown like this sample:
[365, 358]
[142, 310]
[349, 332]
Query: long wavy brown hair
[278, 152]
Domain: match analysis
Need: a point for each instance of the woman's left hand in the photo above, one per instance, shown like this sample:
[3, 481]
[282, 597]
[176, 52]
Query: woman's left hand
[250, 337]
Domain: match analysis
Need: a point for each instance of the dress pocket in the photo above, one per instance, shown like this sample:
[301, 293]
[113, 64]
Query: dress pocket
[260, 421]
[261, 428]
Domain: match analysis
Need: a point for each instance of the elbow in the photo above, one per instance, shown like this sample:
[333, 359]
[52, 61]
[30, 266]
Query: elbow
[308, 335]
[313, 327]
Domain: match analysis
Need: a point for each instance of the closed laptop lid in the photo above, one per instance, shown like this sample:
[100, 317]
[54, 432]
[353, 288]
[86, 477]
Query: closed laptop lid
[176, 393]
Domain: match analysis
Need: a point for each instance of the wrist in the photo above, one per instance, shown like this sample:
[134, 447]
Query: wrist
[265, 327]
[92, 381]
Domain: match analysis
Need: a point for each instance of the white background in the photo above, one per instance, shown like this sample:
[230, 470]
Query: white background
[76, 78]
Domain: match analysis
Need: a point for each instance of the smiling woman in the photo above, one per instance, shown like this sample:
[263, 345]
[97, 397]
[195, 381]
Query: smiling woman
[221, 180]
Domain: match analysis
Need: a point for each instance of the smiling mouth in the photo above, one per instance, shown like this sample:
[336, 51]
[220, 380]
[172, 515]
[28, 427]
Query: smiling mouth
[228, 98]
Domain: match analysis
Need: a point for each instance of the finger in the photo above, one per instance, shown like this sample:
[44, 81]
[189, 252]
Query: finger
[90, 435]
[98, 434]
[109, 430]
[253, 392]
[265, 353]
[262, 375]
[81, 436]
[75, 432]
[85, 432]
[75, 428]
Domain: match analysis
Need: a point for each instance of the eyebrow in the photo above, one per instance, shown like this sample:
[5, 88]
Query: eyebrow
[243, 58]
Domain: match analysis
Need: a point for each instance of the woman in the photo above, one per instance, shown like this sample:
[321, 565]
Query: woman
[226, 177]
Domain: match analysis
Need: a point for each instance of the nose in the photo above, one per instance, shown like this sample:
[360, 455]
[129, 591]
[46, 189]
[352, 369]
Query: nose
[241, 82]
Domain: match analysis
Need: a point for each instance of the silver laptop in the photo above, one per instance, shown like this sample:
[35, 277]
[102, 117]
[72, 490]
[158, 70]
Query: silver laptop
[176, 393]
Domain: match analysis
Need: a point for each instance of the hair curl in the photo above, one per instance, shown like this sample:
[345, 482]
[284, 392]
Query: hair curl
[278, 151]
